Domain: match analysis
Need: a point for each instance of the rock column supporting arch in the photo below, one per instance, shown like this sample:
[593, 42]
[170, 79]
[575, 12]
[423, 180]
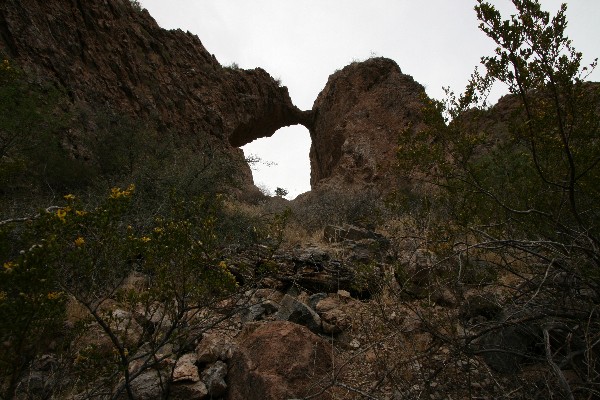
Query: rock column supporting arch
[359, 118]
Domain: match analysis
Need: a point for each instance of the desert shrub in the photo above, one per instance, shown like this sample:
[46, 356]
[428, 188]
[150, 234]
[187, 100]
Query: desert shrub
[49, 146]
[32, 130]
[136, 5]
[331, 207]
[85, 256]
[521, 194]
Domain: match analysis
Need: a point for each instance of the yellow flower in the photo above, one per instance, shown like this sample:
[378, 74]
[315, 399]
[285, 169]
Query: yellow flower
[116, 192]
[79, 241]
[54, 295]
[223, 265]
[69, 197]
[80, 213]
[158, 230]
[145, 239]
[61, 213]
[80, 358]
[8, 266]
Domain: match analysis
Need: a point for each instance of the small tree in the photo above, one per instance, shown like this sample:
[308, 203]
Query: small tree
[281, 192]
[524, 189]
[86, 257]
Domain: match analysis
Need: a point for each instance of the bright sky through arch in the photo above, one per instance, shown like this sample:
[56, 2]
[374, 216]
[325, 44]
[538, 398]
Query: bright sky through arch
[287, 165]
[302, 42]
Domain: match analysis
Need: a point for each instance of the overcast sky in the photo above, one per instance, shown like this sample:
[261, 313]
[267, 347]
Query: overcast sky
[302, 42]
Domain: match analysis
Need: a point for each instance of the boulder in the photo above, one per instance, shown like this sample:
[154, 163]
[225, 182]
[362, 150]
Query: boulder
[258, 311]
[188, 391]
[149, 385]
[314, 299]
[40, 380]
[334, 319]
[293, 310]
[213, 377]
[279, 360]
[419, 271]
[213, 348]
[506, 348]
[315, 270]
[185, 369]
[359, 116]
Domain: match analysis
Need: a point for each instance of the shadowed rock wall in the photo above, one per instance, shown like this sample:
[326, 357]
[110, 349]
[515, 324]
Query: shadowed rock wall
[108, 54]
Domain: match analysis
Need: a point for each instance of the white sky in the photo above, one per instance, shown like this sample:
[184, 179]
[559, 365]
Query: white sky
[302, 42]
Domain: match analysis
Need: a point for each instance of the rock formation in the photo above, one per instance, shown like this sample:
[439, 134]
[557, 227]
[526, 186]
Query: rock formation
[113, 56]
[109, 54]
[359, 118]
[302, 331]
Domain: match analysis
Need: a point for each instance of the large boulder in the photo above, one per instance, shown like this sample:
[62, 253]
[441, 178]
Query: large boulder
[320, 270]
[279, 360]
[214, 378]
[334, 317]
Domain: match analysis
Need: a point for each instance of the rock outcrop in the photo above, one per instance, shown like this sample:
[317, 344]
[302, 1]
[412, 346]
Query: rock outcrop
[359, 117]
[110, 55]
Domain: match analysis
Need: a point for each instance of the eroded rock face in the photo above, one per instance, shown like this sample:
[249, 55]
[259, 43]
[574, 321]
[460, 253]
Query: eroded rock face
[279, 360]
[359, 117]
[108, 54]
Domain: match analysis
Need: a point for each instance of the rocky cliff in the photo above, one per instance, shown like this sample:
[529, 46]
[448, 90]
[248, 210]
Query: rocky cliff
[358, 119]
[109, 54]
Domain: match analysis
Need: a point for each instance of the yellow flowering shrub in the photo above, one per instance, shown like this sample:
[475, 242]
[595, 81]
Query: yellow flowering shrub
[83, 255]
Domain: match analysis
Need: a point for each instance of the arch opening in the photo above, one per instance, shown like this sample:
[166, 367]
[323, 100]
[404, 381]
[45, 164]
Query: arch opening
[284, 161]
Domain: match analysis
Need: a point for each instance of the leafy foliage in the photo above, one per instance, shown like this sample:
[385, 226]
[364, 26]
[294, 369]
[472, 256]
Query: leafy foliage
[86, 257]
[518, 183]
[105, 282]
[281, 192]
[534, 180]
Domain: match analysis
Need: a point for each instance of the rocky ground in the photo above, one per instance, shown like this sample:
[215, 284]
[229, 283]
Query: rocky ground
[329, 322]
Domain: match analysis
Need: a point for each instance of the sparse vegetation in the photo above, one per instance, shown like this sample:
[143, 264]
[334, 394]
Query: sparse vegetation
[281, 192]
[136, 5]
[233, 66]
[139, 270]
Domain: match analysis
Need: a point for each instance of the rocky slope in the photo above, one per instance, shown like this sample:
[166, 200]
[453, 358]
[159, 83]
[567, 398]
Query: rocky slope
[310, 327]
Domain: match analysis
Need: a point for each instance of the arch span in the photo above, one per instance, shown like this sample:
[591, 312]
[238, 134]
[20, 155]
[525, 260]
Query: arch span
[277, 117]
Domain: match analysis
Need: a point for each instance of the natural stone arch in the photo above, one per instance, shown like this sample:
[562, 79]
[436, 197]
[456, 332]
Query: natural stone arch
[270, 121]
